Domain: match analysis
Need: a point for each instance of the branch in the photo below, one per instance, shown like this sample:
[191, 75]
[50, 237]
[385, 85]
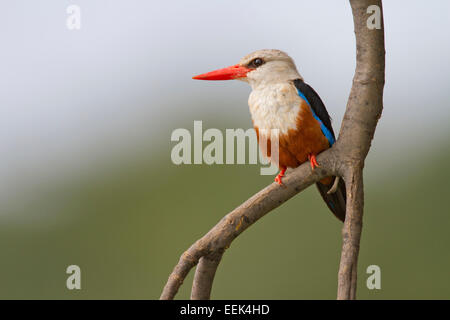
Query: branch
[345, 159]
[204, 276]
[212, 245]
[364, 108]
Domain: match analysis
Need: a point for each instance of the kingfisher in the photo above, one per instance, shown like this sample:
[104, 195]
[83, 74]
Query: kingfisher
[281, 100]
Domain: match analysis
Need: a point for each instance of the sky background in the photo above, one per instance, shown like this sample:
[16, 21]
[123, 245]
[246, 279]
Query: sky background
[86, 115]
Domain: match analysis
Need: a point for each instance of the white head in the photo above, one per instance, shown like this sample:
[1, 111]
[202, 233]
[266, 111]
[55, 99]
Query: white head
[269, 66]
[261, 67]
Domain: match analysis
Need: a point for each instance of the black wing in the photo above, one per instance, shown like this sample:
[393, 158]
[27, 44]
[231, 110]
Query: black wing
[335, 201]
[316, 104]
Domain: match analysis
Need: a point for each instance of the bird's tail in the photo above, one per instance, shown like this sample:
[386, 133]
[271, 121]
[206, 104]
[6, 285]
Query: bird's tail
[335, 199]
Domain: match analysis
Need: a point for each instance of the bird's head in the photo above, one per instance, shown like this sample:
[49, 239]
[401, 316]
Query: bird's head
[261, 67]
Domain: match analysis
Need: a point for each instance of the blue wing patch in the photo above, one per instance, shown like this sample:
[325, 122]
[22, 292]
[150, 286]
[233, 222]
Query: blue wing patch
[324, 129]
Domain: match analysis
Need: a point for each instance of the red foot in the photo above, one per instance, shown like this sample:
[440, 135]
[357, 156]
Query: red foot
[313, 161]
[279, 176]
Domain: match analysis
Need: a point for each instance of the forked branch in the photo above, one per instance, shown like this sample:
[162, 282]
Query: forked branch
[345, 159]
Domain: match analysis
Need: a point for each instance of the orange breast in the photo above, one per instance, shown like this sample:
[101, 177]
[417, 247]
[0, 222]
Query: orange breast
[297, 144]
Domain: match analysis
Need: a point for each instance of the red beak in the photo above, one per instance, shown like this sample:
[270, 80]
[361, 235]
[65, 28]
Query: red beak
[228, 73]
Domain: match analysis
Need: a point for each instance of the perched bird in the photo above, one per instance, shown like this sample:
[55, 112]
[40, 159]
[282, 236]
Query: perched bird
[280, 99]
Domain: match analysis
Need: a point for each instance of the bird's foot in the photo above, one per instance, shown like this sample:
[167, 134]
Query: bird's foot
[313, 161]
[279, 176]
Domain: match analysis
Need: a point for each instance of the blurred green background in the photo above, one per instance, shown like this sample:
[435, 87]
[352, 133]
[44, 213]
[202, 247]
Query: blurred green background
[127, 227]
[86, 175]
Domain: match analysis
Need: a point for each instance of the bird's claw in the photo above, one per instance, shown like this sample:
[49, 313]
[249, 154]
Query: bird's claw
[279, 176]
[313, 161]
[278, 180]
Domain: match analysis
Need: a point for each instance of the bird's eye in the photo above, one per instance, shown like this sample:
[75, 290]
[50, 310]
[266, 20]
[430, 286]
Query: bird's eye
[255, 63]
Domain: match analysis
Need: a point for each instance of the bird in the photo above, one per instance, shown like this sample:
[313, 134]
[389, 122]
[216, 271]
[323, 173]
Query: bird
[280, 99]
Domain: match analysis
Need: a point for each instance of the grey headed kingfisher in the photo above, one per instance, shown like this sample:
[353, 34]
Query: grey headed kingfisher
[281, 100]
